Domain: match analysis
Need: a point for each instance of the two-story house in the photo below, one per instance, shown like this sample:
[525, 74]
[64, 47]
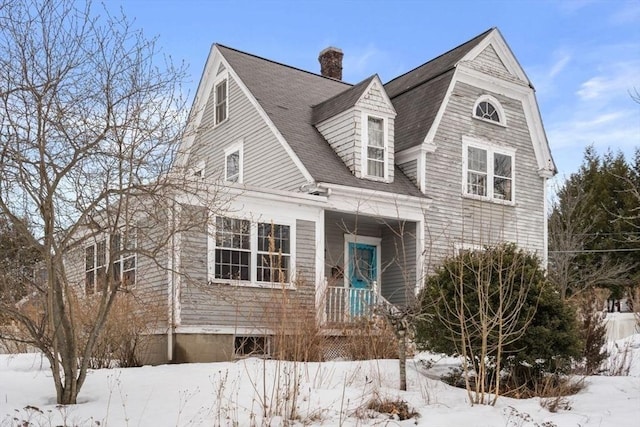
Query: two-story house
[342, 194]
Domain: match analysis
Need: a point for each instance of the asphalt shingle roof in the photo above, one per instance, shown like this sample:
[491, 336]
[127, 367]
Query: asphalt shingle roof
[433, 68]
[288, 95]
[295, 100]
[340, 102]
[418, 94]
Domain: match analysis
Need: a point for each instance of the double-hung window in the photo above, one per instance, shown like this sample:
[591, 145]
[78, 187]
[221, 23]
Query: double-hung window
[221, 100]
[375, 150]
[124, 265]
[252, 252]
[95, 266]
[488, 172]
[121, 249]
[233, 249]
[274, 251]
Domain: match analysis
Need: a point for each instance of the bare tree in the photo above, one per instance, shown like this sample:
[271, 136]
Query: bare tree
[90, 115]
[571, 233]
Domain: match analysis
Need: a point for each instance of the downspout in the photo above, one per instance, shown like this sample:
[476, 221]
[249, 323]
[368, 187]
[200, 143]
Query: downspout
[545, 243]
[171, 331]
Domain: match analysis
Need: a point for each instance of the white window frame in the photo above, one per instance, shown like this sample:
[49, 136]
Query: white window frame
[491, 150]
[121, 258]
[365, 146]
[128, 255]
[222, 78]
[255, 253]
[199, 169]
[502, 120]
[232, 149]
[97, 268]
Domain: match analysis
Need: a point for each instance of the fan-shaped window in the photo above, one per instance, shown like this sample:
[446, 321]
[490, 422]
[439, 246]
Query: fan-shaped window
[486, 110]
[489, 109]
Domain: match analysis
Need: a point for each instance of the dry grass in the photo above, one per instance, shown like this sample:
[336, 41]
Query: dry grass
[397, 409]
[121, 341]
[370, 339]
[554, 389]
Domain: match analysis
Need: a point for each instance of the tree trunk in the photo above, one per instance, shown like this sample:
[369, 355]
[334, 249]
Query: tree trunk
[402, 359]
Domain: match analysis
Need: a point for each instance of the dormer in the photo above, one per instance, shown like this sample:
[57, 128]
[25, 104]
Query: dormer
[359, 125]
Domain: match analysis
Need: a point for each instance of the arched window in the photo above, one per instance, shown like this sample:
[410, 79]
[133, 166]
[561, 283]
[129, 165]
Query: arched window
[488, 108]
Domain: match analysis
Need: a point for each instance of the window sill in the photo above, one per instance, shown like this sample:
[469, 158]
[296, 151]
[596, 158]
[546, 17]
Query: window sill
[220, 123]
[248, 284]
[488, 199]
[499, 124]
[375, 178]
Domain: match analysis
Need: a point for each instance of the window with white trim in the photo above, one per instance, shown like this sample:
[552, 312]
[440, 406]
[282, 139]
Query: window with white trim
[233, 159]
[198, 169]
[488, 108]
[375, 147]
[233, 249]
[221, 101]
[274, 253]
[252, 252]
[95, 266]
[124, 266]
[122, 249]
[488, 172]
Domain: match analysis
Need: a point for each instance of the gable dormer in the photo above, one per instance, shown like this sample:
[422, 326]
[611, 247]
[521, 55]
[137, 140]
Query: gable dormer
[359, 125]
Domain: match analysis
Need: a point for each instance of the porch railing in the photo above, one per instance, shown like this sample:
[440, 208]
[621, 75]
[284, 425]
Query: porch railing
[347, 305]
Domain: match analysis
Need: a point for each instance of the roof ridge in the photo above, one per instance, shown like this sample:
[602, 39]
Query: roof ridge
[441, 55]
[281, 64]
[346, 89]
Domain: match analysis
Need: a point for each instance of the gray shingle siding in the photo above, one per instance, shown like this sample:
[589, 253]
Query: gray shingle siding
[410, 169]
[488, 62]
[218, 305]
[266, 163]
[456, 219]
[398, 262]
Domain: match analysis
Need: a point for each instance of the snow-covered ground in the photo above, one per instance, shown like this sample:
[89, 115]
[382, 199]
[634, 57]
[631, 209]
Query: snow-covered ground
[258, 392]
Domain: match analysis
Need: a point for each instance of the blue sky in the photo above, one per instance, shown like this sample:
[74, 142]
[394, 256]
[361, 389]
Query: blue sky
[583, 56]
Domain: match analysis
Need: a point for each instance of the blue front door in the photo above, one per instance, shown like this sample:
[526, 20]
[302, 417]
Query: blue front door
[363, 273]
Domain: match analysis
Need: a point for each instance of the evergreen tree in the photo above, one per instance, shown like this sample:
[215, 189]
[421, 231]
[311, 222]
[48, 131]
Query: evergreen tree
[593, 226]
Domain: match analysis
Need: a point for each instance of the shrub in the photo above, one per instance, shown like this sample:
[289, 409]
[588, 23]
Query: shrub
[494, 306]
[592, 329]
[120, 342]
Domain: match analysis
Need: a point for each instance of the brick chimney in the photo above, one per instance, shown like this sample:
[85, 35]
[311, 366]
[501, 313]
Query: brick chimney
[331, 62]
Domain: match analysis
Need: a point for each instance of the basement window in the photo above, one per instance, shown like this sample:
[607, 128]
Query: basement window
[250, 346]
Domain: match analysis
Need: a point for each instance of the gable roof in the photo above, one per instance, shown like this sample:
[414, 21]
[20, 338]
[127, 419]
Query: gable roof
[340, 102]
[418, 94]
[287, 95]
[417, 110]
[437, 66]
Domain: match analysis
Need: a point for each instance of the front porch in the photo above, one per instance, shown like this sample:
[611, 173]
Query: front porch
[368, 260]
[345, 305]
